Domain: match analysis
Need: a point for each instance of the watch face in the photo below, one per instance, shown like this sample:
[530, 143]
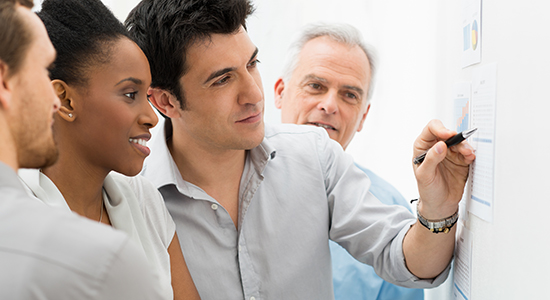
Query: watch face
[440, 225]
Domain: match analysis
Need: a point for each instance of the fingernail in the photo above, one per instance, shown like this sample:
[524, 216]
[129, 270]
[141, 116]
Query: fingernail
[438, 148]
[469, 147]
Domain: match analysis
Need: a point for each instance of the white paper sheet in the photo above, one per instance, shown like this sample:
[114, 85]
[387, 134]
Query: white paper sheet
[462, 265]
[461, 118]
[471, 32]
[483, 108]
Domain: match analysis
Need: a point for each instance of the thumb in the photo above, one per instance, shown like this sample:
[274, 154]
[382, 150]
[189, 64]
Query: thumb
[434, 156]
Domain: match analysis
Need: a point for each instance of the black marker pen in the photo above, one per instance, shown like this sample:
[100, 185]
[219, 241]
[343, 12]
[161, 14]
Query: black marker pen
[455, 140]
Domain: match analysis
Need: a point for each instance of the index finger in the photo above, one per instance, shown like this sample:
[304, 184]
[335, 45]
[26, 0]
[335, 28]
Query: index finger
[431, 134]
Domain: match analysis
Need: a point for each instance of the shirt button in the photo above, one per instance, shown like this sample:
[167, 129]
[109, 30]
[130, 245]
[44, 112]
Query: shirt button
[214, 206]
[252, 298]
[239, 248]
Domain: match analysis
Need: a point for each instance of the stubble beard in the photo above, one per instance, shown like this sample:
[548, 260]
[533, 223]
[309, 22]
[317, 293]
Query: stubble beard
[38, 156]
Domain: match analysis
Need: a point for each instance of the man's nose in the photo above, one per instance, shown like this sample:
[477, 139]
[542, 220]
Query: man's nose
[329, 103]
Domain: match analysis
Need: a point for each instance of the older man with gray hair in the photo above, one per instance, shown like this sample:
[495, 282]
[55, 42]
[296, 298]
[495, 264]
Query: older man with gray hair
[328, 82]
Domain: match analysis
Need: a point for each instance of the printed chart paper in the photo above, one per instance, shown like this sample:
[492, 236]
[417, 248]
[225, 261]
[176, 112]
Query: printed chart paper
[461, 118]
[462, 265]
[471, 32]
[482, 111]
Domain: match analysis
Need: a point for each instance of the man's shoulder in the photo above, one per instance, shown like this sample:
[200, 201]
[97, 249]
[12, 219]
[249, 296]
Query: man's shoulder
[301, 140]
[54, 252]
[32, 229]
[296, 137]
[273, 130]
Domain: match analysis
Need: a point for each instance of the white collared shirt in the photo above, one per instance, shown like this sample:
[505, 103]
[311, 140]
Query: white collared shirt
[134, 206]
[48, 253]
[298, 190]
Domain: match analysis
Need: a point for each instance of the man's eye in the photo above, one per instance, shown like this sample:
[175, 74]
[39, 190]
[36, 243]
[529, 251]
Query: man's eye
[351, 95]
[315, 85]
[253, 63]
[222, 81]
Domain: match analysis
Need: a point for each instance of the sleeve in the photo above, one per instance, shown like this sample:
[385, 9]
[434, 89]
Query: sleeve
[154, 210]
[369, 230]
[129, 276]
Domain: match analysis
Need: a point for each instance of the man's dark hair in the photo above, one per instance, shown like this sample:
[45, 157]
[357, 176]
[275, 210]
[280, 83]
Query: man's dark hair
[165, 29]
[15, 36]
[83, 33]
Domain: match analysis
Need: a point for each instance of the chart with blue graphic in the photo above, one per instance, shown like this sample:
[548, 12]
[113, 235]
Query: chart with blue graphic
[471, 33]
[462, 113]
[461, 122]
[483, 103]
[475, 35]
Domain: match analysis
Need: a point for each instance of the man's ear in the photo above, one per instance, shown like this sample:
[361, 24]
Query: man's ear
[64, 93]
[360, 127]
[5, 89]
[279, 88]
[165, 102]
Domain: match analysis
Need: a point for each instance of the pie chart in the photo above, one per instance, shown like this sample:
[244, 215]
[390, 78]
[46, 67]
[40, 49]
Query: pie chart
[474, 35]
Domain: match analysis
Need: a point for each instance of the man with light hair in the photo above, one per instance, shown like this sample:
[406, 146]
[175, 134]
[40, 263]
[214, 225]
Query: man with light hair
[328, 82]
[47, 253]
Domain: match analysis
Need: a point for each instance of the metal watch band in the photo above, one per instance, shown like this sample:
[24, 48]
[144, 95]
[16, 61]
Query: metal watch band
[438, 226]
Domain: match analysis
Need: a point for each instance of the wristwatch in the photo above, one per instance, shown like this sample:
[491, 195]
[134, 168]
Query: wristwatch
[438, 226]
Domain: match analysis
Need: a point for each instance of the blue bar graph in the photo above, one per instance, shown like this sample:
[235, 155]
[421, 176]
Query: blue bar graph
[462, 114]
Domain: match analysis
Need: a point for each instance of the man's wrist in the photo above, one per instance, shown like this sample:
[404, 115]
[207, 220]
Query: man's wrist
[436, 212]
[443, 225]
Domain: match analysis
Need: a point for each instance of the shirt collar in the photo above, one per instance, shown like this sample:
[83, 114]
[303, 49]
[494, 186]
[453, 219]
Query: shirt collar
[261, 155]
[160, 168]
[40, 186]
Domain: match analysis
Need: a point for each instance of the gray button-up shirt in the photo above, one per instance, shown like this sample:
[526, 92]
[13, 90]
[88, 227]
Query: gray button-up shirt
[298, 190]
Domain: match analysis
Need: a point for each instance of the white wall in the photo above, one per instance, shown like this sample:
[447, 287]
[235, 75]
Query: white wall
[121, 8]
[510, 256]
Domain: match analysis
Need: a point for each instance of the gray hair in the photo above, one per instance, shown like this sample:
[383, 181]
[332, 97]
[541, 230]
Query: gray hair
[339, 32]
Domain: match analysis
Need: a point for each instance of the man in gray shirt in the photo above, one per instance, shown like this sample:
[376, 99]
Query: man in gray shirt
[255, 205]
[46, 253]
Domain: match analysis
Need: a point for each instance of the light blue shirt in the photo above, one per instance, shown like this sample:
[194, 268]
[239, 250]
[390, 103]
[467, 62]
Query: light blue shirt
[355, 280]
[298, 190]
